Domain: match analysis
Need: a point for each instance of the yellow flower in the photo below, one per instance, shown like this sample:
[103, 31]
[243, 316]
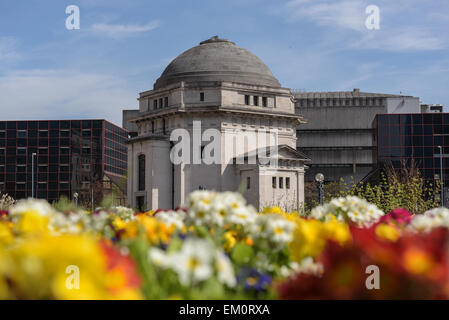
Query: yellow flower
[417, 261]
[6, 236]
[41, 268]
[310, 236]
[387, 232]
[118, 223]
[274, 209]
[229, 240]
[156, 231]
[336, 230]
[5, 267]
[309, 239]
[149, 213]
[32, 222]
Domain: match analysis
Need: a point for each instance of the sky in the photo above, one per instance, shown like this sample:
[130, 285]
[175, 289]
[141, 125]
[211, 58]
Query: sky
[122, 47]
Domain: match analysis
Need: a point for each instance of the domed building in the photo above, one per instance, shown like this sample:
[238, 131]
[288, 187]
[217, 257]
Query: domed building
[216, 119]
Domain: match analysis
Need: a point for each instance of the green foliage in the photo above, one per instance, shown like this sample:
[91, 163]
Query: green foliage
[242, 253]
[400, 188]
[109, 201]
[64, 204]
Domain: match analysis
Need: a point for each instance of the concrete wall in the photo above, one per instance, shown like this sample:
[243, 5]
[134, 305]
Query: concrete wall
[403, 105]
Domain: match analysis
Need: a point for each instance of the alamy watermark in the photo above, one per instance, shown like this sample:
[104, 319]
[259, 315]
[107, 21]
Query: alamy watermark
[373, 280]
[72, 22]
[216, 147]
[73, 280]
[372, 22]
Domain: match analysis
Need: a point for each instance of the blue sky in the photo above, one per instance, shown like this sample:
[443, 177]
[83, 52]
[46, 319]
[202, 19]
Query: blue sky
[49, 72]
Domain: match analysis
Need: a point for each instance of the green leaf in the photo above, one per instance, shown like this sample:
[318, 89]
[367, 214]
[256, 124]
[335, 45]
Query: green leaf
[242, 253]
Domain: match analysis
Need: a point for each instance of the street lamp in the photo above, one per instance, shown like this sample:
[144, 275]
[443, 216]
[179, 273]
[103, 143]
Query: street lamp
[319, 178]
[33, 156]
[441, 175]
[75, 197]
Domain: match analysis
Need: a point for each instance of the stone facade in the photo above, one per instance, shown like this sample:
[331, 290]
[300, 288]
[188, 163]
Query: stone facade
[339, 134]
[248, 100]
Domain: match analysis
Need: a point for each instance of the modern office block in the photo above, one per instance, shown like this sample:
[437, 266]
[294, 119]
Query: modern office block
[406, 138]
[69, 156]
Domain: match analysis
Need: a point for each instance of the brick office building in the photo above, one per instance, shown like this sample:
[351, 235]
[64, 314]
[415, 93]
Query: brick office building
[87, 157]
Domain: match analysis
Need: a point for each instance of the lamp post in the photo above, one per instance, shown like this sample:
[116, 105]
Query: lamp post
[75, 197]
[33, 155]
[319, 178]
[441, 176]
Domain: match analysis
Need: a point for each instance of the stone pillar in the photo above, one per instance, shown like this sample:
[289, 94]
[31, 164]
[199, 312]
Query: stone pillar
[180, 185]
[300, 188]
[161, 175]
[130, 182]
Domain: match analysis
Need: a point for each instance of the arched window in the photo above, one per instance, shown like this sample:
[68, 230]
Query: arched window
[141, 168]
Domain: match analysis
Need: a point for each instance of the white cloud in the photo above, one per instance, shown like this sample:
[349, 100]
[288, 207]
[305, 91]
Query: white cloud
[348, 14]
[63, 94]
[401, 29]
[8, 51]
[122, 30]
[401, 39]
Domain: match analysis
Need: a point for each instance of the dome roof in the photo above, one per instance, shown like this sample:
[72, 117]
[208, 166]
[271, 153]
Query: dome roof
[217, 60]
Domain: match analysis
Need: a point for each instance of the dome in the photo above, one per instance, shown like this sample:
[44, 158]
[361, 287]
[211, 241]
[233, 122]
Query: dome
[217, 60]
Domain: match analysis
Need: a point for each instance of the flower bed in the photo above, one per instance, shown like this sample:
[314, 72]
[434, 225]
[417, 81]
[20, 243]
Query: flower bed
[218, 247]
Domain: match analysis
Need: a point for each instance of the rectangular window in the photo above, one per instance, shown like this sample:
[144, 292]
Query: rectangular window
[160, 103]
[166, 101]
[247, 100]
[287, 183]
[21, 151]
[140, 201]
[256, 100]
[201, 96]
[248, 183]
[155, 104]
[141, 172]
[43, 133]
[273, 182]
[264, 102]
[152, 126]
[281, 183]
[163, 127]
[21, 134]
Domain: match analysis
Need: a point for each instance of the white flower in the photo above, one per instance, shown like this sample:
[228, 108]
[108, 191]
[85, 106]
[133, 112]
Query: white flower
[421, 223]
[171, 218]
[281, 230]
[37, 206]
[159, 257]
[309, 266]
[126, 214]
[243, 216]
[274, 227]
[224, 269]
[352, 208]
[193, 262]
[318, 212]
[200, 203]
[434, 218]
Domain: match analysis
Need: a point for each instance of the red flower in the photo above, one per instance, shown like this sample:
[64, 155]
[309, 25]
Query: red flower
[414, 267]
[399, 216]
[122, 264]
